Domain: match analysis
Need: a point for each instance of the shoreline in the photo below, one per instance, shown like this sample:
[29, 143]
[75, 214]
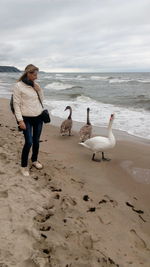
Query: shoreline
[110, 229]
[97, 130]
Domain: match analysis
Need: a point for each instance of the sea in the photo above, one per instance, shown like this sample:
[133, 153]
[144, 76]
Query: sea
[125, 94]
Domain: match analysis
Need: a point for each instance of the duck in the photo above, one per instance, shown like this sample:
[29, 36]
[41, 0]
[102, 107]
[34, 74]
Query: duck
[100, 144]
[86, 131]
[66, 125]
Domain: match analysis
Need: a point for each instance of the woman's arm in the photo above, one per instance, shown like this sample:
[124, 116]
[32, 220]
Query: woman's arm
[17, 102]
[17, 105]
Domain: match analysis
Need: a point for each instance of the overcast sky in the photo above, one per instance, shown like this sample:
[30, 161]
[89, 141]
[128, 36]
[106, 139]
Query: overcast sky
[76, 35]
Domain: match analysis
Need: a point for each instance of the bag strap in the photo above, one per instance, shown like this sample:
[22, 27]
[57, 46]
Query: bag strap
[39, 98]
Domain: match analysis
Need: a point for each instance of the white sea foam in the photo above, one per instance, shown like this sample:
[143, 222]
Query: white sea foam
[66, 78]
[58, 86]
[129, 120]
[76, 78]
[80, 78]
[143, 80]
[117, 80]
[47, 76]
[83, 98]
[103, 78]
[59, 75]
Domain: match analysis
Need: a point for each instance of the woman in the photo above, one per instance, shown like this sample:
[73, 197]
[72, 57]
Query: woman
[27, 111]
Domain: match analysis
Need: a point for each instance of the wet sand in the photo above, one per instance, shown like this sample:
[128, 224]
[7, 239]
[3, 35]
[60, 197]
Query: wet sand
[74, 212]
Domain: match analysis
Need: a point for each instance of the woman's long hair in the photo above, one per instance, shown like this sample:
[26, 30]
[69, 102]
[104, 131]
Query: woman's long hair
[29, 68]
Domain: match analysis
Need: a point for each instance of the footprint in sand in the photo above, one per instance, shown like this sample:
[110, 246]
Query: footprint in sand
[67, 202]
[28, 263]
[107, 262]
[42, 218]
[45, 228]
[44, 236]
[36, 261]
[4, 194]
[54, 189]
[108, 199]
[112, 201]
[133, 208]
[2, 172]
[78, 183]
[92, 209]
[136, 210]
[139, 242]
[87, 241]
[46, 251]
[50, 209]
[86, 198]
[3, 156]
[56, 196]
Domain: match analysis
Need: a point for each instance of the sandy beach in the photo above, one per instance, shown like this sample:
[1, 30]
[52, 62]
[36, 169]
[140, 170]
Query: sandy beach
[74, 212]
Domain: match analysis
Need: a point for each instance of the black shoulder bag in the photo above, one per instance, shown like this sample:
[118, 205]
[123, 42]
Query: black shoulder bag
[45, 114]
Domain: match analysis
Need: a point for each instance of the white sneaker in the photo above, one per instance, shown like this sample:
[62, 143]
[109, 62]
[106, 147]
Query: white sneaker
[37, 165]
[24, 171]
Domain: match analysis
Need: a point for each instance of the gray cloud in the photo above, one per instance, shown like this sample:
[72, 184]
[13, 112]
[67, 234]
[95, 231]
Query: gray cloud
[81, 35]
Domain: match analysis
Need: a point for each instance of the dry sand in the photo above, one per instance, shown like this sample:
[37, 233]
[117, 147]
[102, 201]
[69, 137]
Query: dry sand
[74, 212]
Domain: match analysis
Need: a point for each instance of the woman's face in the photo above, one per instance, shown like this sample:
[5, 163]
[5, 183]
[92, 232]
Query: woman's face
[32, 75]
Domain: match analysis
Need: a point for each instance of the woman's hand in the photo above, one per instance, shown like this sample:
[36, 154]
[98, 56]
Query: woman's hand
[22, 125]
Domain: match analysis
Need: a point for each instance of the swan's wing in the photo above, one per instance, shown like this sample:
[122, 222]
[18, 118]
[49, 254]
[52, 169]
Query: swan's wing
[97, 139]
[98, 143]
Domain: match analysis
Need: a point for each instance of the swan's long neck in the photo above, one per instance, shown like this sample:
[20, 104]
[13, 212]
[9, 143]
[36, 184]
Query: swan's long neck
[88, 119]
[110, 133]
[69, 117]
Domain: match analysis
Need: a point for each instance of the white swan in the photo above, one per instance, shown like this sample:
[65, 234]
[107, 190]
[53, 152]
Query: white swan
[66, 125]
[86, 131]
[101, 144]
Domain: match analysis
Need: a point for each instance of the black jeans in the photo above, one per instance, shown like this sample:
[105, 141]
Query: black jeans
[32, 136]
